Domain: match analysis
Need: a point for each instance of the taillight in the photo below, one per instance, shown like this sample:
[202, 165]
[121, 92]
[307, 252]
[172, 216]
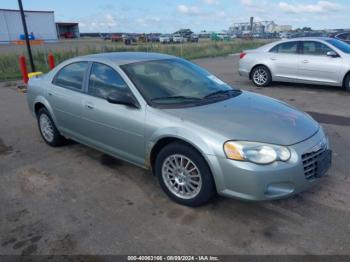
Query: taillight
[242, 55]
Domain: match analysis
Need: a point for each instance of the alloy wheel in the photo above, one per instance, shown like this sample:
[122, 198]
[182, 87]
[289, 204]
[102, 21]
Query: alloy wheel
[260, 76]
[46, 127]
[181, 176]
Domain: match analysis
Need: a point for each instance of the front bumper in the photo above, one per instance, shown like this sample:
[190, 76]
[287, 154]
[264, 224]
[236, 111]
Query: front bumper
[249, 181]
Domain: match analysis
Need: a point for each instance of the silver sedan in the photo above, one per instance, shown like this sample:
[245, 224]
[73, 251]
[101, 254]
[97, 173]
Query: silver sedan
[197, 134]
[322, 61]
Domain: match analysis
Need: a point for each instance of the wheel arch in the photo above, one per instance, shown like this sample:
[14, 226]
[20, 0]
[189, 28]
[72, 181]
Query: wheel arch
[37, 107]
[164, 141]
[346, 75]
[255, 66]
[41, 102]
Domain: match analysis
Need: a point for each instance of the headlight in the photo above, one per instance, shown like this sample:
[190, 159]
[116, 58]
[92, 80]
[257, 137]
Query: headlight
[258, 153]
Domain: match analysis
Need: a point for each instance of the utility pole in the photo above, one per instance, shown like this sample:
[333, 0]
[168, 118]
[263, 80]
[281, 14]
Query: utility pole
[26, 35]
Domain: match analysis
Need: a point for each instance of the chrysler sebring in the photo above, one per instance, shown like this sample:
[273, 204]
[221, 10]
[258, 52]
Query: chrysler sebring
[196, 133]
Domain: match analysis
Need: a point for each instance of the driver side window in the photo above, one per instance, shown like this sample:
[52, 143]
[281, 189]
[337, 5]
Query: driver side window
[104, 80]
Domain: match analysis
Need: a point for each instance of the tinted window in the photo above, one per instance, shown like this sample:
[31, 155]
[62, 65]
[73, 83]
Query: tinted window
[104, 80]
[340, 45]
[315, 48]
[286, 48]
[71, 76]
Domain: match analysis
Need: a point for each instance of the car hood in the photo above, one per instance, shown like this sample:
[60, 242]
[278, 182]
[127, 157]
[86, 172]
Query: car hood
[252, 117]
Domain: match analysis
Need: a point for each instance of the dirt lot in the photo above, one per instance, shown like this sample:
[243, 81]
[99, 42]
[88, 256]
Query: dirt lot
[75, 200]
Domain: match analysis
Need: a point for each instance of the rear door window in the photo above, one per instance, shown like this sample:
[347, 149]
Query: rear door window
[286, 48]
[71, 76]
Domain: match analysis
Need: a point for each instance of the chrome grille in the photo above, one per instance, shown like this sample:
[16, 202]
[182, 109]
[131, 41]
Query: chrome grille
[310, 163]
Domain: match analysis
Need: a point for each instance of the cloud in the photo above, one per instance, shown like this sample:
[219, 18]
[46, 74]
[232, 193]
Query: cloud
[98, 22]
[188, 9]
[248, 3]
[110, 20]
[256, 6]
[211, 2]
[148, 21]
[319, 7]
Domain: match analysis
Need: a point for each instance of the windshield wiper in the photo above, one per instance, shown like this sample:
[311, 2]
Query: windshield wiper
[176, 97]
[223, 92]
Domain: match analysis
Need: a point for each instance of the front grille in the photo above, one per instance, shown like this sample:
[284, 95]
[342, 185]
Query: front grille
[310, 163]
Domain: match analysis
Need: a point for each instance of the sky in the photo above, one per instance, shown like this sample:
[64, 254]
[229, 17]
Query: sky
[170, 15]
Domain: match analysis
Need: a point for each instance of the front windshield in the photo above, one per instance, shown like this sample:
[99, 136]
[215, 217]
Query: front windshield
[342, 46]
[176, 81]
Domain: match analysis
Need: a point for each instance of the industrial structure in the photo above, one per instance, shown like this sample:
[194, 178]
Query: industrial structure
[41, 26]
[258, 28]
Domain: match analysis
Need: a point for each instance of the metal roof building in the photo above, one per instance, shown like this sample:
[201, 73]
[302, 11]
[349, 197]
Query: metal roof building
[40, 23]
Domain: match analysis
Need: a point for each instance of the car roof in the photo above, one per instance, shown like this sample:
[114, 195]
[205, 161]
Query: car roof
[270, 45]
[308, 38]
[122, 58]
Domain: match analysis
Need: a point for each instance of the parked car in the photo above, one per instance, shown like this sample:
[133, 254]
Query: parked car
[67, 35]
[185, 33]
[178, 38]
[196, 133]
[106, 36]
[220, 37]
[194, 38]
[165, 39]
[233, 37]
[128, 39]
[153, 38]
[323, 61]
[344, 36]
[117, 38]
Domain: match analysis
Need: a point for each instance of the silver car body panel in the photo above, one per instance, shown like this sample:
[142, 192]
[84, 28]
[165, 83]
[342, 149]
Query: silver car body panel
[131, 133]
[298, 68]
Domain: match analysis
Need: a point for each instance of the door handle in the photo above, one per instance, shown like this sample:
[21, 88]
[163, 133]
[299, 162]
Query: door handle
[273, 59]
[305, 61]
[50, 94]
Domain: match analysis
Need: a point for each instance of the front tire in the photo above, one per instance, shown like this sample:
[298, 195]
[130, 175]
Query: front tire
[261, 76]
[347, 83]
[184, 175]
[48, 130]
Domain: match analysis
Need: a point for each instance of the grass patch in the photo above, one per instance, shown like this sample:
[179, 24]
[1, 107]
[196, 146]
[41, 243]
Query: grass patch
[9, 67]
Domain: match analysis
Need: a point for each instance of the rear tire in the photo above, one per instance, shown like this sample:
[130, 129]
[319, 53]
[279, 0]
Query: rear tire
[347, 83]
[184, 175]
[48, 130]
[261, 76]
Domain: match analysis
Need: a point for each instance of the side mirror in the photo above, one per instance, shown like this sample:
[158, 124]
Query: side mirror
[332, 54]
[122, 98]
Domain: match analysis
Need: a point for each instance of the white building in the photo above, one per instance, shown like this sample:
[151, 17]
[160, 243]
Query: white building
[40, 23]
